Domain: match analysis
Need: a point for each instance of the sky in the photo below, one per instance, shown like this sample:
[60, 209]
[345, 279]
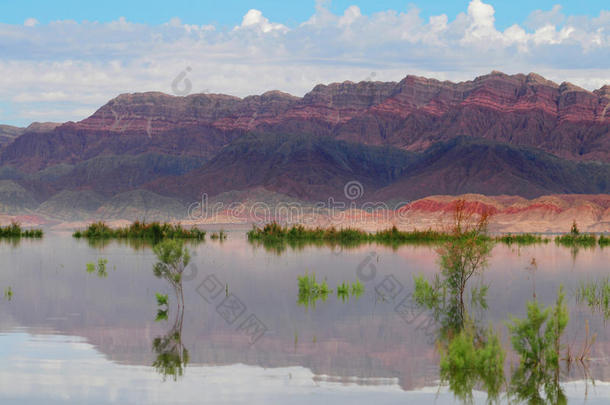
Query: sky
[62, 60]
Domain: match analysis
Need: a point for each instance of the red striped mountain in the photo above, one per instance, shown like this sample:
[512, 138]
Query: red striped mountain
[413, 114]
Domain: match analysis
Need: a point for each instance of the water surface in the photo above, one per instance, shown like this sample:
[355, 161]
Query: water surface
[69, 336]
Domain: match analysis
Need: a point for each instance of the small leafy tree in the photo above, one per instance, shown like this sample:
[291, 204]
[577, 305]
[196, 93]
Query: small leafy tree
[172, 356]
[574, 230]
[470, 355]
[461, 258]
[173, 258]
[466, 254]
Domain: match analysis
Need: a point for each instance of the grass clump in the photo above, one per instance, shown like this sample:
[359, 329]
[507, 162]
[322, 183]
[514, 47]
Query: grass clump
[8, 293]
[100, 268]
[14, 230]
[585, 240]
[575, 238]
[357, 288]
[220, 235]
[343, 291]
[310, 290]
[140, 230]
[522, 239]
[603, 241]
[273, 232]
[393, 235]
[346, 290]
[596, 295]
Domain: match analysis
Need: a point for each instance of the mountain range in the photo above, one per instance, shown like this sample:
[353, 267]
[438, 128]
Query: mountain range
[518, 135]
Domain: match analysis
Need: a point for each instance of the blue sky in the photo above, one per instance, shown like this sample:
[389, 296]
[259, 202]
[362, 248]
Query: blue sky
[61, 60]
[290, 13]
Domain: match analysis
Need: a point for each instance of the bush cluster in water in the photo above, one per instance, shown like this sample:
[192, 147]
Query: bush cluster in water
[14, 230]
[141, 230]
[275, 232]
[220, 235]
[575, 238]
[522, 239]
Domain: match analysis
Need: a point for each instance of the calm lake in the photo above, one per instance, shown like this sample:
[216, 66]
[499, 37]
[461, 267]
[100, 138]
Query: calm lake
[68, 335]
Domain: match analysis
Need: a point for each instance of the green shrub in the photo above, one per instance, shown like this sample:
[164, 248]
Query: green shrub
[154, 231]
[14, 230]
[537, 341]
[522, 239]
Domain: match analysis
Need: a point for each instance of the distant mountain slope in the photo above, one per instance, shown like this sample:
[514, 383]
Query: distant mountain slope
[316, 168]
[299, 166]
[141, 205]
[467, 165]
[9, 133]
[72, 205]
[107, 175]
[524, 110]
[15, 199]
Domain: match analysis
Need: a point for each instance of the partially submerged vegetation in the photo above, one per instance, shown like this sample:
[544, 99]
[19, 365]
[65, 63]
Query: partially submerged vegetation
[596, 295]
[345, 290]
[14, 230]
[140, 230]
[576, 239]
[100, 268]
[275, 232]
[298, 235]
[172, 357]
[522, 239]
[310, 290]
[163, 307]
[220, 235]
[472, 357]
[537, 341]
[8, 293]
[276, 237]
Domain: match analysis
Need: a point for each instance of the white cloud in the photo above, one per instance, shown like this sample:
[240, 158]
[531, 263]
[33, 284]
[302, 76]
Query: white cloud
[540, 18]
[255, 19]
[82, 65]
[351, 15]
[481, 28]
[30, 22]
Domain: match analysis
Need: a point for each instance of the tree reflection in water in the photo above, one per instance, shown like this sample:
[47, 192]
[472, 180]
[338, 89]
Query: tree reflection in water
[472, 356]
[172, 356]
